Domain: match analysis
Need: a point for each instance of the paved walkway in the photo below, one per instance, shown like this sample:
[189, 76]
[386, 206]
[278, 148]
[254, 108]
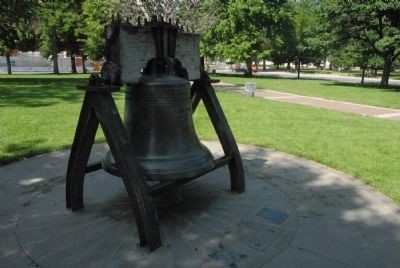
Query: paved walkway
[333, 77]
[294, 213]
[361, 109]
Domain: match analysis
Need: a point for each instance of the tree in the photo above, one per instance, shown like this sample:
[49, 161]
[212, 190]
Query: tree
[355, 53]
[148, 8]
[98, 13]
[50, 22]
[283, 38]
[60, 28]
[72, 37]
[199, 15]
[16, 31]
[309, 44]
[241, 30]
[247, 31]
[205, 18]
[374, 23]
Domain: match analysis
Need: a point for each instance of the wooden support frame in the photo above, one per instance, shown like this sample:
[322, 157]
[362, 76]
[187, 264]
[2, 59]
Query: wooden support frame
[99, 109]
[203, 90]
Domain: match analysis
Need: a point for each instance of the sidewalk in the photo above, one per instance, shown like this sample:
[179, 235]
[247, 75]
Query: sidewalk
[341, 106]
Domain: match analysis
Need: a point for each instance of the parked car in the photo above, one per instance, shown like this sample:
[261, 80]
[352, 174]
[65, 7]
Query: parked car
[238, 68]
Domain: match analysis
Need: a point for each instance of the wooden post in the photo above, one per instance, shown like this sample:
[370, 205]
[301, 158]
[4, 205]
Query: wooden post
[80, 152]
[203, 89]
[99, 108]
[131, 172]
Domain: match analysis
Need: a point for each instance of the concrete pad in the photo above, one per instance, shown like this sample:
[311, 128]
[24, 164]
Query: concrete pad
[294, 257]
[294, 213]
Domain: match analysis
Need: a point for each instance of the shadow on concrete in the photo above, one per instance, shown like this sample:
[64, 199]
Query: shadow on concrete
[338, 216]
[340, 222]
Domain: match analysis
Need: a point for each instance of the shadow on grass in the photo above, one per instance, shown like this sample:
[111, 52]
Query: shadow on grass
[23, 149]
[365, 86]
[24, 146]
[41, 79]
[39, 91]
[332, 82]
[29, 148]
[37, 96]
[275, 77]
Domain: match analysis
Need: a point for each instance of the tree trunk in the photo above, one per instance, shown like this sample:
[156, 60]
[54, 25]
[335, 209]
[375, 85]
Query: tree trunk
[362, 76]
[54, 51]
[298, 69]
[8, 59]
[288, 65]
[264, 65]
[73, 64]
[277, 66]
[248, 65]
[386, 70]
[83, 64]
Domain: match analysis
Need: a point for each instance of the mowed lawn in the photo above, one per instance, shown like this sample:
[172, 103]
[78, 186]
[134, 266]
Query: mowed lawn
[39, 114]
[370, 95]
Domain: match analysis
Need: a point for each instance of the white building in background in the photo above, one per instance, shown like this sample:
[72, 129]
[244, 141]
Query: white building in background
[33, 62]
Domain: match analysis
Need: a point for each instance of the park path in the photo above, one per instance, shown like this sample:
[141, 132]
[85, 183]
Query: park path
[341, 106]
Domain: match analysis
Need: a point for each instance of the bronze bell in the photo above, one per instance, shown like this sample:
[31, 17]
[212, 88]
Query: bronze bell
[158, 120]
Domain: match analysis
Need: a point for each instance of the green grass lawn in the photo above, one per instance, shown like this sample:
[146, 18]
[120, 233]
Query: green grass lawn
[354, 73]
[39, 114]
[370, 95]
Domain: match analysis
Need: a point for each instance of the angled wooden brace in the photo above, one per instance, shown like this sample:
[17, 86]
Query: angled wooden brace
[203, 90]
[99, 107]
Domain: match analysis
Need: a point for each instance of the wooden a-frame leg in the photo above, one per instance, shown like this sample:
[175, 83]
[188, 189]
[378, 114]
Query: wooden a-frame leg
[80, 151]
[195, 95]
[203, 89]
[131, 172]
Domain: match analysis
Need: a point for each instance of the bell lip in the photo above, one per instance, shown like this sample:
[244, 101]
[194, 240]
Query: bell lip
[204, 168]
[182, 174]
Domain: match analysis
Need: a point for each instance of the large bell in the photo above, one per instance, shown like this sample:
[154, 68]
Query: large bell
[158, 120]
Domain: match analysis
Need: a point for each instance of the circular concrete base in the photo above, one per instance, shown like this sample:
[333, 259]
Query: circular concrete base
[211, 227]
[294, 213]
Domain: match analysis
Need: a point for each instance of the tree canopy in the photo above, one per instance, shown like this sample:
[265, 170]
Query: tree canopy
[16, 30]
[373, 24]
[241, 29]
[365, 34]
